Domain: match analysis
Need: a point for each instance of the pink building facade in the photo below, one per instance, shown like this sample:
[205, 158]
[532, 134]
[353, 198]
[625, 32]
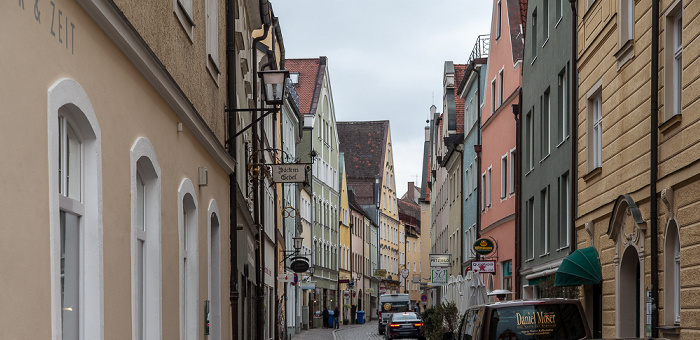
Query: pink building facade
[497, 159]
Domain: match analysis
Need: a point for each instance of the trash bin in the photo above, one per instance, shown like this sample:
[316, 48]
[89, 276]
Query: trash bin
[331, 320]
[361, 317]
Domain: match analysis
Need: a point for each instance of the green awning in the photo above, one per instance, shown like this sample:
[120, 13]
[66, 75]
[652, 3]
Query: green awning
[582, 267]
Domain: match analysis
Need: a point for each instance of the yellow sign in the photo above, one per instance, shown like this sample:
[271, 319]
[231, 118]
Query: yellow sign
[380, 272]
[387, 306]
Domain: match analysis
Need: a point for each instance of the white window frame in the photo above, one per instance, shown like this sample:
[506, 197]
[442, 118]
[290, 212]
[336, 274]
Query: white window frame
[504, 174]
[563, 106]
[212, 39]
[512, 172]
[67, 98]
[673, 59]
[493, 95]
[499, 15]
[483, 191]
[546, 133]
[545, 22]
[672, 278]
[545, 220]
[500, 87]
[625, 25]
[183, 12]
[189, 257]
[146, 265]
[488, 178]
[534, 45]
[595, 127]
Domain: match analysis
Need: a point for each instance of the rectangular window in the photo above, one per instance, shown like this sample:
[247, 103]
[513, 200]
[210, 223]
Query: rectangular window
[512, 171]
[504, 175]
[483, 191]
[493, 95]
[468, 183]
[507, 276]
[544, 128]
[545, 21]
[595, 137]
[498, 19]
[183, 12]
[529, 141]
[212, 29]
[534, 35]
[564, 211]
[529, 229]
[626, 21]
[560, 10]
[673, 51]
[488, 196]
[544, 216]
[562, 106]
[500, 88]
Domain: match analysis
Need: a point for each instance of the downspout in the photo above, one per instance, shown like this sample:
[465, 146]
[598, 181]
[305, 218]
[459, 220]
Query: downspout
[654, 167]
[233, 183]
[574, 128]
[260, 254]
[518, 113]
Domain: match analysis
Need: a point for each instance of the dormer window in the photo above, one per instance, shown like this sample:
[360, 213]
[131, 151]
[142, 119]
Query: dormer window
[294, 77]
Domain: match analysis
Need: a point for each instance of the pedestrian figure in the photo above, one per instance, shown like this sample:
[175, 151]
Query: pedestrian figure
[417, 308]
[325, 317]
[336, 313]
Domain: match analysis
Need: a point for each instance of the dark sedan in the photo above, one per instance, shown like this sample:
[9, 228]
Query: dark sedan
[404, 325]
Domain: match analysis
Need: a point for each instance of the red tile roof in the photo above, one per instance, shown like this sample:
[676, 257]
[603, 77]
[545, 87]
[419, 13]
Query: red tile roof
[308, 70]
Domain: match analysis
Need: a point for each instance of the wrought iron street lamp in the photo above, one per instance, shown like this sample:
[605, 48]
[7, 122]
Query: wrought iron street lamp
[273, 82]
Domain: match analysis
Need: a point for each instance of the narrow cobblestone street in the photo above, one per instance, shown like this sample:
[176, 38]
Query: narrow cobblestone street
[367, 331]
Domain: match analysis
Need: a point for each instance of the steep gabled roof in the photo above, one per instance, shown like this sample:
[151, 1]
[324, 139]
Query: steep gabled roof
[311, 72]
[364, 146]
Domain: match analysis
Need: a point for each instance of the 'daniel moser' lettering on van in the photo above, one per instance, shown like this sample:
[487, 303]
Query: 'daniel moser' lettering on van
[536, 319]
[57, 23]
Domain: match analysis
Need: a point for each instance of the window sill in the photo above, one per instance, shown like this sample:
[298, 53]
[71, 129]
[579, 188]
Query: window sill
[563, 141]
[545, 42]
[595, 173]
[563, 248]
[671, 329]
[529, 171]
[670, 124]
[533, 60]
[625, 53]
[545, 254]
[558, 22]
[545, 158]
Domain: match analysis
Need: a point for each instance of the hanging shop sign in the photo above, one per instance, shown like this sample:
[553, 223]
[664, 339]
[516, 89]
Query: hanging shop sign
[438, 276]
[308, 285]
[483, 246]
[380, 272]
[299, 264]
[289, 173]
[440, 260]
[484, 266]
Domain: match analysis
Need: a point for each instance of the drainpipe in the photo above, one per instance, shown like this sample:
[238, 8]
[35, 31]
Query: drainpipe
[260, 253]
[574, 128]
[518, 113]
[233, 183]
[654, 167]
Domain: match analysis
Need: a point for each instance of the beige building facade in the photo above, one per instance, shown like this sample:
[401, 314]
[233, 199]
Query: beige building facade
[119, 173]
[646, 242]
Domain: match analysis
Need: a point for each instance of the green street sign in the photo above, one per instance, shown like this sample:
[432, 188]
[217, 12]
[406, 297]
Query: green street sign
[483, 246]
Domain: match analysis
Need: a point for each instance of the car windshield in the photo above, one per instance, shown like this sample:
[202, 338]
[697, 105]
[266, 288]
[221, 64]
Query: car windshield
[405, 316]
[395, 306]
[534, 322]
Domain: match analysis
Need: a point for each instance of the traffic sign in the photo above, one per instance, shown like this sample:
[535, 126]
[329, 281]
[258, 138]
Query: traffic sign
[295, 280]
[424, 298]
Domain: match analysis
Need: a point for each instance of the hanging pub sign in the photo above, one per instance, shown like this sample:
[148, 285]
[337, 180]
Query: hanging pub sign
[299, 264]
[483, 246]
[289, 173]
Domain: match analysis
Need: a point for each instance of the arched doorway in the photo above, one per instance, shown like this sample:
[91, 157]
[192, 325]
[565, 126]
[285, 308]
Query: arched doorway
[629, 296]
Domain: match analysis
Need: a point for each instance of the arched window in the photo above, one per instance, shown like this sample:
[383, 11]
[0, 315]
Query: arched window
[189, 269]
[214, 271]
[75, 224]
[146, 264]
[672, 275]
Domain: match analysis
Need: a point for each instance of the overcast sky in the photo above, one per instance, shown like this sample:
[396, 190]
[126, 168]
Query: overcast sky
[386, 59]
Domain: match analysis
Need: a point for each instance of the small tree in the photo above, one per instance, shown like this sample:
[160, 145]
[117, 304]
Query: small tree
[438, 320]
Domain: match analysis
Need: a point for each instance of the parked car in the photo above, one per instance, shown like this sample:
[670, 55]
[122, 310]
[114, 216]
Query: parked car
[404, 325]
[561, 319]
[390, 304]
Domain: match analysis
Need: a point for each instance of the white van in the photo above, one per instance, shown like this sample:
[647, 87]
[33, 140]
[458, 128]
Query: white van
[390, 304]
